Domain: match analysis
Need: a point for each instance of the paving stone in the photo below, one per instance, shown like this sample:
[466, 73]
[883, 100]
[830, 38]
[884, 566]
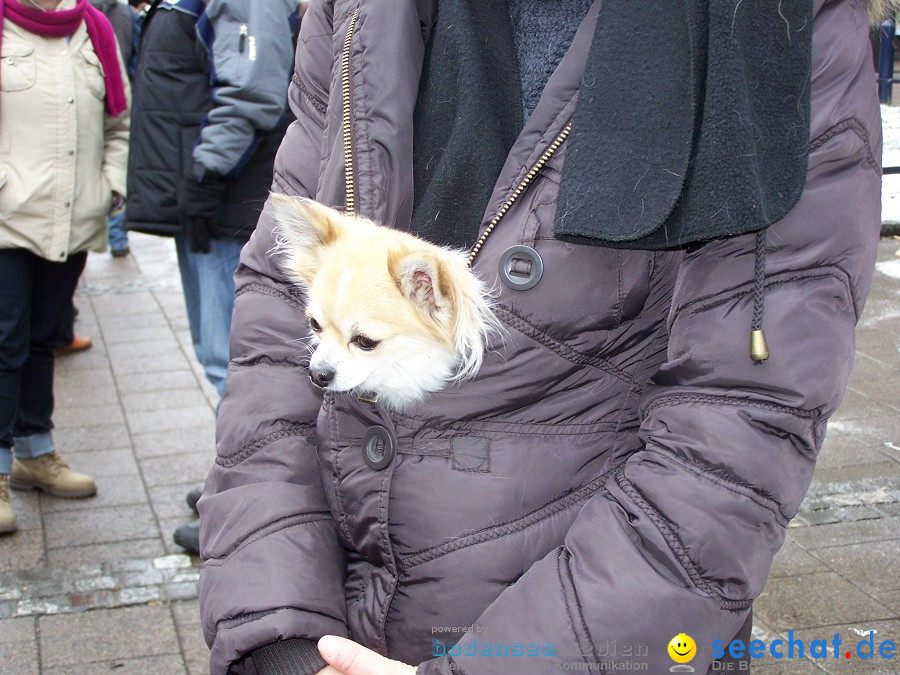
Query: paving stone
[851, 637]
[18, 658]
[175, 441]
[882, 474]
[78, 416]
[96, 437]
[115, 322]
[813, 600]
[890, 599]
[769, 666]
[71, 364]
[98, 526]
[21, 550]
[839, 450]
[157, 381]
[119, 634]
[95, 387]
[124, 351]
[874, 345]
[792, 560]
[871, 566]
[112, 491]
[842, 534]
[71, 556]
[168, 501]
[27, 507]
[150, 364]
[186, 614]
[166, 399]
[166, 420]
[183, 469]
[129, 336]
[104, 463]
[125, 304]
[151, 665]
[872, 431]
[859, 406]
[168, 526]
[21, 630]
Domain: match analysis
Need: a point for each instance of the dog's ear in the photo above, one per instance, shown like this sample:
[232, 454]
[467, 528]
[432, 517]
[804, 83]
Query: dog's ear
[440, 284]
[420, 277]
[303, 228]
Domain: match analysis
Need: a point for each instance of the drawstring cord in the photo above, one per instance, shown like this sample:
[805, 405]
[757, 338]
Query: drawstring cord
[759, 350]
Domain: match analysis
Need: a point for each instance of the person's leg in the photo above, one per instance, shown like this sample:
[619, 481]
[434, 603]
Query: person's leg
[37, 464]
[118, 237]
[190, 286]
[15, 299]
[51, 304]
[16, 274]
[215, 273]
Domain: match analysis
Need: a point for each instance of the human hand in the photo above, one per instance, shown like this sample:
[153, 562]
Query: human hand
[346, 657]
[198, 209]
[118, 204]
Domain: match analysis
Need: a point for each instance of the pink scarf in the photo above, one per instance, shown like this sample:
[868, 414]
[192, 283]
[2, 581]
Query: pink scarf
[64, 23]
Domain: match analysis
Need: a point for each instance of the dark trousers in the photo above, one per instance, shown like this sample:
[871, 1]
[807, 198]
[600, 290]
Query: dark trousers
[35, 299]
[730, 664]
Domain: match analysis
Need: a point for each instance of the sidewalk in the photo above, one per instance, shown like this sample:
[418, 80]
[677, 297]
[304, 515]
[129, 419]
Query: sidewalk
[96, 585]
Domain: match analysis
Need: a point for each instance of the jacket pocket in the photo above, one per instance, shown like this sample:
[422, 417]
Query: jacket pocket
[17, 64]
[93, 71]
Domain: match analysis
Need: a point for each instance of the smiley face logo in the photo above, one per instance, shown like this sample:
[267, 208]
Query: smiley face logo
[682, 648]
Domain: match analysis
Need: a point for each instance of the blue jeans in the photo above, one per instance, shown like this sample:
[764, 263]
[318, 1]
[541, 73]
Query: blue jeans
[207, 280]
[118, 238]
[35, 295]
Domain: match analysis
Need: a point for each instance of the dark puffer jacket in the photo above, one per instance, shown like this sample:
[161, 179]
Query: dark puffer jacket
[619, 471]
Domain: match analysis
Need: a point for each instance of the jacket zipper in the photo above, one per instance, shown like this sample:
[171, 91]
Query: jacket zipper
[346, 120]
[520, 188]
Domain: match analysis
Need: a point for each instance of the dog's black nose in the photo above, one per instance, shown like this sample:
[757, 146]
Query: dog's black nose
[322, 378]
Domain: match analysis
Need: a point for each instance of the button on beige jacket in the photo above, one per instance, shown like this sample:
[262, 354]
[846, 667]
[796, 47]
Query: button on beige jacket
[61, 155]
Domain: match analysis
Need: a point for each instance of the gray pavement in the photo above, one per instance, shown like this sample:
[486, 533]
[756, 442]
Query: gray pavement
[97, 585]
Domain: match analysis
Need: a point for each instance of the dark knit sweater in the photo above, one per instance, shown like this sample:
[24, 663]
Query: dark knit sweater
[543, 31]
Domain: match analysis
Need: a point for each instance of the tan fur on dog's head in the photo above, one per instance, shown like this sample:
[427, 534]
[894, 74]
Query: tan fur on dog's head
[391, 315]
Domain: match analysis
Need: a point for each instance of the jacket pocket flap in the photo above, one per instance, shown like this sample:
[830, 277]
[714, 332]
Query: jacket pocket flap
[16, 49]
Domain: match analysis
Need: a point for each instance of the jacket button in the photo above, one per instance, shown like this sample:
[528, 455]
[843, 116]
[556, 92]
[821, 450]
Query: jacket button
[379, 446]
[71, 99]
[521, 268]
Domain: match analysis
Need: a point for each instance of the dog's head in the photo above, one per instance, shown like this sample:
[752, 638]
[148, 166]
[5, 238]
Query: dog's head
[391, 316]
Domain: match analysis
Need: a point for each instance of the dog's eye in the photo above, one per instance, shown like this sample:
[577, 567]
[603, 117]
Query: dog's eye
[364, 343]
[314, 325]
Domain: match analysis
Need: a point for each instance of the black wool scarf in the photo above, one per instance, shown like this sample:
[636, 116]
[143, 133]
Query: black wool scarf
[692, 121]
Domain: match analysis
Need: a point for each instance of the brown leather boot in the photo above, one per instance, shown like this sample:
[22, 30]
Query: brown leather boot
[78, 344]
[7, 517]
[51, 474]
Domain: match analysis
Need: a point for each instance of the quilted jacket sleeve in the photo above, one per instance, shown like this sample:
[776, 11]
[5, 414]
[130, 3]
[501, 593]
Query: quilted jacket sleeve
[249, 45]
[682, 537]
[273, 568]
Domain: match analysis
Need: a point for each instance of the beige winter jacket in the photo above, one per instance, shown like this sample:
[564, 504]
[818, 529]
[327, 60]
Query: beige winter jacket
[61, 155]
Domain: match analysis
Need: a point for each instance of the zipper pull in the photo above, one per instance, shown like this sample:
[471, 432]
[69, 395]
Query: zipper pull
[242, 41]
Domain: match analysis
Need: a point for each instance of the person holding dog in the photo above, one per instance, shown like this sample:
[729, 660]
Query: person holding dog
[681, 235]
[63, 149]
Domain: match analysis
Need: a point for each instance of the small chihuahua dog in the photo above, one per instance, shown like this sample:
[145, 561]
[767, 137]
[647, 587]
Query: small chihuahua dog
[392, 317]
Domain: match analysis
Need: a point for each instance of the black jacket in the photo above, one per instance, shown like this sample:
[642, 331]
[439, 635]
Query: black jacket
[172, 100]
